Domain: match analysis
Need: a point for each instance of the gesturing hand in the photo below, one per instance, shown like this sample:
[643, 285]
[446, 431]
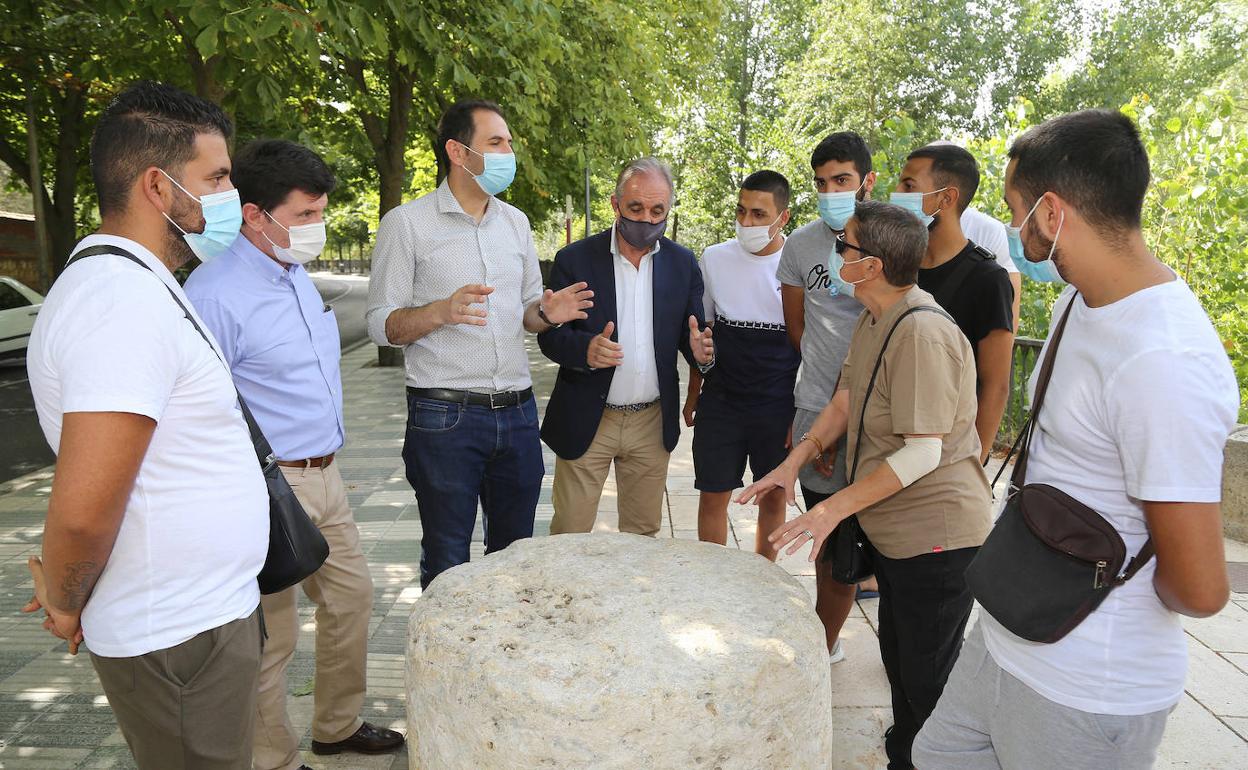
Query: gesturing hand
[64, 625]
[603, 353]
[700, 342]
[813, 527]
[568, 303]
[783, 477]
[459, 306]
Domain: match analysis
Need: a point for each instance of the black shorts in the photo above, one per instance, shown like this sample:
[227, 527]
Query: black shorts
[725, 437]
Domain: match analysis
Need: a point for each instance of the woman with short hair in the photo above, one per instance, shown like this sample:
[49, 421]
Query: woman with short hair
[906, 400]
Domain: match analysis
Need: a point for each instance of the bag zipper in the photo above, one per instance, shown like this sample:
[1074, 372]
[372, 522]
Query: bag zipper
[1098, 577]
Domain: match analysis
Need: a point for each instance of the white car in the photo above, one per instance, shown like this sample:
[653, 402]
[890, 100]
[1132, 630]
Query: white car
[19, 305]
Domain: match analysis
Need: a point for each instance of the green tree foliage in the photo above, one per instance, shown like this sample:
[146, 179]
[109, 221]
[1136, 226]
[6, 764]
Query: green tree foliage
[60, 59]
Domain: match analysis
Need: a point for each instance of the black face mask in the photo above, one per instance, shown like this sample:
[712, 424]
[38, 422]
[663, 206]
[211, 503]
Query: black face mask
[641, 235]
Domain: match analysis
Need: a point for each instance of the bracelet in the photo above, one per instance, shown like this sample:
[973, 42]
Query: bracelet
[541, 313]
[818, 443]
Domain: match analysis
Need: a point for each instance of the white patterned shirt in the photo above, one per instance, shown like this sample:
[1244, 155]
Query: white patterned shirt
[426, 250]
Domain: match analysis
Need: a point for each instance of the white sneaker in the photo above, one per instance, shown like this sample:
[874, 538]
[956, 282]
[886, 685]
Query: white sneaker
[837, 654]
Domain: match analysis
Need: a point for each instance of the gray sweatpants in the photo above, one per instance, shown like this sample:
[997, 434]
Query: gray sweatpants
[987, 719]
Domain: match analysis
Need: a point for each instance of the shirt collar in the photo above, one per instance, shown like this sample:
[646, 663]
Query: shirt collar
[261, 263]
[615, 248]
[449, 204]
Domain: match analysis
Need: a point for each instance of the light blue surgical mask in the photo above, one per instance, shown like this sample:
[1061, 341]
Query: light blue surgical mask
[1044, 271]
[223, 216]
[835, 208]
[500, 170]
[836, 263]
[913, 202]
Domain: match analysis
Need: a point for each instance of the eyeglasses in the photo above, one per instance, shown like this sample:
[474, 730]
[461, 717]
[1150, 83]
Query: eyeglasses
[842, 244]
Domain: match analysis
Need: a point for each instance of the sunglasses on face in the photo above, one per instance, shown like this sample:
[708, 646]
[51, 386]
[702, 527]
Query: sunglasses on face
[842, 245]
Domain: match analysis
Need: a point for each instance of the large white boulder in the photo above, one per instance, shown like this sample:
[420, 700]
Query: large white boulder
[617, 651]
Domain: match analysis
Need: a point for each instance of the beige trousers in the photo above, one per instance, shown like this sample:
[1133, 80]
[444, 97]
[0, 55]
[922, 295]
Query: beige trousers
[634, 442]
[186, 707]
[342, 590]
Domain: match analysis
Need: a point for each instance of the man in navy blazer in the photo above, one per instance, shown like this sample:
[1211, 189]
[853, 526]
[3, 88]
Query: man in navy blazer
[617, 396]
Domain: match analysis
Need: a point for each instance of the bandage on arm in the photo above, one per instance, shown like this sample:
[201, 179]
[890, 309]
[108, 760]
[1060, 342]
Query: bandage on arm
[916, 459]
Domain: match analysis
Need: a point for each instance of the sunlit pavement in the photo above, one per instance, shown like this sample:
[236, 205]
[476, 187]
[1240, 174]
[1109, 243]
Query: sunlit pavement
[53, 714]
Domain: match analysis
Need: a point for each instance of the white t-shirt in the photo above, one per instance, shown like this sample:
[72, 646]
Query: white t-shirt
[196, 527]
[988, 232]
[1140, 405]
[741, 286]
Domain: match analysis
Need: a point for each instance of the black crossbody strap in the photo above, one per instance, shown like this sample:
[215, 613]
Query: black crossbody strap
[1042, 385]
[862, 418]
[264, 452]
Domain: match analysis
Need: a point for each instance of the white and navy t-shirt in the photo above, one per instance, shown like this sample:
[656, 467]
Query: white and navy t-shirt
[755, 366]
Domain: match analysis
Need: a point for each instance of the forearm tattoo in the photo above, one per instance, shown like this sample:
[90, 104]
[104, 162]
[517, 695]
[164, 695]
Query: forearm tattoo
[80, 577]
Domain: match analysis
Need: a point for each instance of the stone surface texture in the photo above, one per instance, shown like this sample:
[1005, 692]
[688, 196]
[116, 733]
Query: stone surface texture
[617, 651]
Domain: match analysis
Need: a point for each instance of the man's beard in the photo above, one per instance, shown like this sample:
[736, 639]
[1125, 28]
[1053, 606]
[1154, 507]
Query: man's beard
[177, 251]
[1041, 253]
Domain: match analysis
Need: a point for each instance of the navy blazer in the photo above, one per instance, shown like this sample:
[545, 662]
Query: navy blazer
[580, 395]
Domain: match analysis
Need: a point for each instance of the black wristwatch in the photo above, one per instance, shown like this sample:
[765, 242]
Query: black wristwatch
[541, 313]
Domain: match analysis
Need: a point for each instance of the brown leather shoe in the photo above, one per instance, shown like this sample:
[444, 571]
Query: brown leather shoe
[366, 740]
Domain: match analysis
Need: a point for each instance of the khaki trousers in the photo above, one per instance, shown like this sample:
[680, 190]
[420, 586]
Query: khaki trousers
[188, 707]
[634, 441]
[342, 590]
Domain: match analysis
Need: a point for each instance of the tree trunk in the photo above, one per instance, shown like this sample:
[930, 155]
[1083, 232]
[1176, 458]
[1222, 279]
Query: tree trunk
[59, 208]
[62, 219]
[388, 134]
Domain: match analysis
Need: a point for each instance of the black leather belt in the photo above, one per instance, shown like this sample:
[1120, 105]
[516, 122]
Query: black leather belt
[492, 400]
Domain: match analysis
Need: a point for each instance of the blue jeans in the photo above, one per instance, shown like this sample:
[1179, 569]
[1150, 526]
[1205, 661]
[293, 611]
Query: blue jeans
[458, 454]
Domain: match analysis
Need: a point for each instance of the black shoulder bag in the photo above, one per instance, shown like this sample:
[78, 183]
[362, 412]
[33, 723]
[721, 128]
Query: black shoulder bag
[1049, 560]
[296, 547]
[846, 546]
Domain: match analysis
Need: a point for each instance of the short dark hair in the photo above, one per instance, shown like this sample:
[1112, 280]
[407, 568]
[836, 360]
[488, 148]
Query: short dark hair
[893, 234]
[772, 182]
[1092, 158]
[148, 124]
[266, 170]
[458, 123]
[952, 166]
[845, 147]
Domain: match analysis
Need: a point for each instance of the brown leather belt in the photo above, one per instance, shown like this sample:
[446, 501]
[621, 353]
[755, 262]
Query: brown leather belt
[311, 462]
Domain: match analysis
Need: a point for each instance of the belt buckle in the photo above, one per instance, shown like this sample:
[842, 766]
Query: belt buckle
[494, 406]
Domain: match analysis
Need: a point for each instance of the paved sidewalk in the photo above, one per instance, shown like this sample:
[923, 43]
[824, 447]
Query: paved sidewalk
[53, 714]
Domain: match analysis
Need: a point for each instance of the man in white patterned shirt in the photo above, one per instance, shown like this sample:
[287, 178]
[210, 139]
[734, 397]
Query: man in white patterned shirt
[456, 284]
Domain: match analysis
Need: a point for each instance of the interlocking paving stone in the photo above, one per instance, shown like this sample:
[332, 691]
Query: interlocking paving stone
[53, 714]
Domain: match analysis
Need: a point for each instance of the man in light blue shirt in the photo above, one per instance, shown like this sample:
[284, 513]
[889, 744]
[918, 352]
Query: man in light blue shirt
[282, 345]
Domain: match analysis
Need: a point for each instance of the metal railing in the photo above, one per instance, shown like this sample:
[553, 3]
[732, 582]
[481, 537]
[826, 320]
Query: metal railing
[344, 259]
[1023, 361]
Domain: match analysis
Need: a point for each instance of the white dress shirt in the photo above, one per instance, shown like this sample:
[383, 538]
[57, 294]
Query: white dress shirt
[636, 379]
[426, 250]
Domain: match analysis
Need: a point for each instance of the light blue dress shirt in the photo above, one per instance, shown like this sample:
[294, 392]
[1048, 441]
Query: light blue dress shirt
[281, 343]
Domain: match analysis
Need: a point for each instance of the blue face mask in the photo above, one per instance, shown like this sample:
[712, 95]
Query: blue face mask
[913, 202]
[835, 208]
[500, 170]
[1044, 271]
[836, 263]
[223, 216]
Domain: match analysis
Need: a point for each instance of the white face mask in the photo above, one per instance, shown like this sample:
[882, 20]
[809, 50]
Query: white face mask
[306, 242]
[755, 239]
